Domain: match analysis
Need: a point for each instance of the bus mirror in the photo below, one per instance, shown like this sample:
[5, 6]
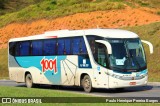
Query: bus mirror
[150, 45]
[107, 44]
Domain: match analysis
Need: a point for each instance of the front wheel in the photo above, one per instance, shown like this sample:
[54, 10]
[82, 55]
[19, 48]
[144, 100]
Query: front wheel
[87, 84]
[120, 89]
[29, 81]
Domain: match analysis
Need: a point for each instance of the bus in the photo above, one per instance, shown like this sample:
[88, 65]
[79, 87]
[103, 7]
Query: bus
[90, 58]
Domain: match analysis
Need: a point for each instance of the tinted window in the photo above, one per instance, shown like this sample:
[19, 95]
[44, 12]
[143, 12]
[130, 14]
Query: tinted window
[91, 40]
[37, 48]
[79, 46]
[17, 49]
[61, 46]
[83, 47]
[100, 55]
[49, 47]
[12, 46]
[67, 46]
[24, 48]
[99, 51]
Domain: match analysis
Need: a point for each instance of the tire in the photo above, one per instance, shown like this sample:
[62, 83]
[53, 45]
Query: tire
[87, 84]
[120, 89]
[29, 81]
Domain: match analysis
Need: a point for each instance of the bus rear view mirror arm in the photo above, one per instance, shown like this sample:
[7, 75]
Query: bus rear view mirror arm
[150, 45]
[107, 44]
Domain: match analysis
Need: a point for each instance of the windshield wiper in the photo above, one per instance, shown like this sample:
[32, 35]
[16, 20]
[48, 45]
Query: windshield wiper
[127, 52]
[136, 61]
[119, 68]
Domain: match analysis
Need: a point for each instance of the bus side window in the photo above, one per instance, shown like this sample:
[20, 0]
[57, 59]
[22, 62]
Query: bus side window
[61, 45]
[49, 47]
[83, 49]
[17, 49]
[67, 47]
[100, 55]
[92, 45]
[12, 46]
[79, 46]
[75, 45]
[25, 46]
[37, 48]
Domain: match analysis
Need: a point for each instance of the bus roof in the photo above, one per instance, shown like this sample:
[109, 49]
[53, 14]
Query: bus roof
[107, 33]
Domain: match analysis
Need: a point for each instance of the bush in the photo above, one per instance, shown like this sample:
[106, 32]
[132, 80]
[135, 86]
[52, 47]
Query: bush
[54, 2]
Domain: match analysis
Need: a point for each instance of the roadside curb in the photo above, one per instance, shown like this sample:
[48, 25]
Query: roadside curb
[154, 83]
[6, 80]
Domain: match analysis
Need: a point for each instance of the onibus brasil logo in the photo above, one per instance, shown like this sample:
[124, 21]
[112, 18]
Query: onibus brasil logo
[49, 65]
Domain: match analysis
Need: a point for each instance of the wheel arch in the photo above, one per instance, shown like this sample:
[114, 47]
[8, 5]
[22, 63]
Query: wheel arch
[27, 72]
[82, 76]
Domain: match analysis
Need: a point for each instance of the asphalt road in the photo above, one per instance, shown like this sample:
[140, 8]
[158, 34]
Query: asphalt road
[151, 90]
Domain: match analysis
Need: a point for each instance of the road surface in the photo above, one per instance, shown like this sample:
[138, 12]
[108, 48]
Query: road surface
[151, 90]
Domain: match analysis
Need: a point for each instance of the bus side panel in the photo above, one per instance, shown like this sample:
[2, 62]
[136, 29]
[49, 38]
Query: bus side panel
[100, 77]
[69, 68]
[16, 72]
[37, 75]
[44, 69]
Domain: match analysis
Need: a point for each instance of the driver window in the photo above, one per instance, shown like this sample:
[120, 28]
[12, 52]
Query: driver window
[100, 54]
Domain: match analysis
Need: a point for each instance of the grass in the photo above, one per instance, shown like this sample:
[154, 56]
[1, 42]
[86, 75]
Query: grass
[94, 104]
[3, 63]
[8, 6]
[57, 8]
[158, 12]
[38, 9]
[35, 92]
[148, 3]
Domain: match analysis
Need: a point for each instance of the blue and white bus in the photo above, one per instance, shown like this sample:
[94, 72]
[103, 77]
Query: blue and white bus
[92, 58]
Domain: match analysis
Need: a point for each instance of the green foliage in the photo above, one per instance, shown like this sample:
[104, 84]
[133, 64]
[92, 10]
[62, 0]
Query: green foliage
[2, 2]
[33, 92]
[3, 63]
[24, 10]
[158, 12]
[57, 8]
[9, 6]
[148, 3]
[54, 2]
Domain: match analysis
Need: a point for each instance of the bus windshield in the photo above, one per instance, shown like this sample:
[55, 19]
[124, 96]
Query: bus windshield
[127, 55]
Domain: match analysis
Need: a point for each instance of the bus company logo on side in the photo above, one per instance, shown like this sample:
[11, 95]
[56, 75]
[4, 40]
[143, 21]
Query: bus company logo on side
[49, 65]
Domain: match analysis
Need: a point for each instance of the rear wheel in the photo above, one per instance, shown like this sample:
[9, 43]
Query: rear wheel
[87, 84]
[29, 81]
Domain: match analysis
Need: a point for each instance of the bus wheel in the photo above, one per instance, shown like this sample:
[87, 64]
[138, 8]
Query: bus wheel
[29, 81]
[120, 89]
[87, 84]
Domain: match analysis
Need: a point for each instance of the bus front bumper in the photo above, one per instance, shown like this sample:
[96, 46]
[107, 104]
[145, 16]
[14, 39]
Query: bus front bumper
[118, 83]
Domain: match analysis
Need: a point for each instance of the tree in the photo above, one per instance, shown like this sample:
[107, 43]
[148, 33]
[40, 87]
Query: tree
[2, 4]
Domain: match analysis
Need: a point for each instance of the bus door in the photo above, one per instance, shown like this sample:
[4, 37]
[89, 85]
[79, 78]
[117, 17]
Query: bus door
[101, 57]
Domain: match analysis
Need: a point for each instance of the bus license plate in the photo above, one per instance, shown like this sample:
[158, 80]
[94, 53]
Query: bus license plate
[132, 83]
